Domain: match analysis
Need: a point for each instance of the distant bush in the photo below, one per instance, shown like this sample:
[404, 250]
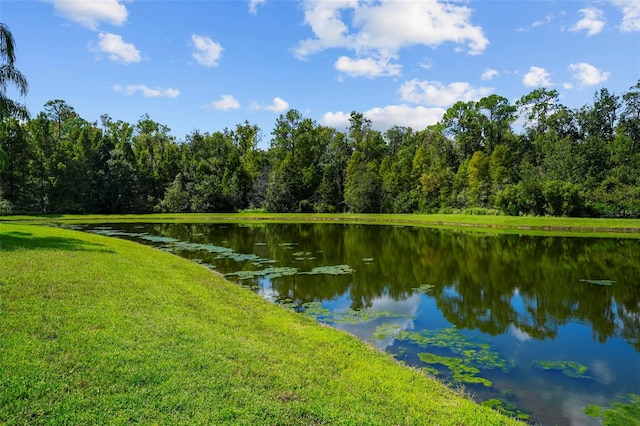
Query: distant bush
[481, 211]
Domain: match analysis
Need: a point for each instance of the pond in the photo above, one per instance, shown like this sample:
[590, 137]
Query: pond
[539, 327]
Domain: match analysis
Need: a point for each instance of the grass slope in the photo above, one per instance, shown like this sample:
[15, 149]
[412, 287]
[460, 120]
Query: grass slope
[96, 330]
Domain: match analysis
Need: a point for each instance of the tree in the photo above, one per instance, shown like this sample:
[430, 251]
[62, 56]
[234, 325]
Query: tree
[10, 75]
[630, 117]
[362, 192]
[500, 114]
[479, 178]
[536, 107]
[464, 123]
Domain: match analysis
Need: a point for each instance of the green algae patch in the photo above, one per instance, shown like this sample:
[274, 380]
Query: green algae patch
[474, 351]
[386, 330]
[348, 316]
[620, 413]
[507, 408]
[461, 372]
[568, 368]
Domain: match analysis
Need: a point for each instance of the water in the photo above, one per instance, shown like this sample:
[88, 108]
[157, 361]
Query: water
[491, 310]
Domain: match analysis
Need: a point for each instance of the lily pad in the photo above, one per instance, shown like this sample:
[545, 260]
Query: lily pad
[599, 282]
[270, 272]
[424, 288]
[330, 270]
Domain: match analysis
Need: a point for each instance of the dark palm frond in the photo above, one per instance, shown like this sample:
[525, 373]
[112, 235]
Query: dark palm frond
[10, 108]
[7, 44]
[9, 74]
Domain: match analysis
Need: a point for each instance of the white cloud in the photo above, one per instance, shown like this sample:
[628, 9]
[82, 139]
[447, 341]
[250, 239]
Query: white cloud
[631, 14]
[547, 19]
[91, 13]
[367, 67]
[587, 74]
[489, 73]
[567, 86]
[383, 118]
[592, 21]
[379, 30]
[537, 77]
[437, 94]
[117, 49]
[278, 105]
[427, 63]
[207, 52]
[147, 92]
[253, 6]
[226, 102]
[540, 22]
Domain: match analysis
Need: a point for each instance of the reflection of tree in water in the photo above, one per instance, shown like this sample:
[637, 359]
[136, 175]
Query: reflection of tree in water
[476, 276]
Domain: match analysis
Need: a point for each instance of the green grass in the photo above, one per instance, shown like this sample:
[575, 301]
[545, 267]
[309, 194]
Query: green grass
[532, 225]
[96, 330]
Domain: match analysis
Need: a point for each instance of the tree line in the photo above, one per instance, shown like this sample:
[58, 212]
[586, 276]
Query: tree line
[531, 157]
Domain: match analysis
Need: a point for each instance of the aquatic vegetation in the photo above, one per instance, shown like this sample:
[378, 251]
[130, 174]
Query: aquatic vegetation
[462, 373]
[599, 282]
[109, 232]
[330, 270]
[568, 368]
[348, 316]
[474, 351]
[507, 408]
[158, 239]
[288, 246]
[270, 272]
[367, 259]
[385, 330]
[620, 413]
[431, 370]
[423, 288]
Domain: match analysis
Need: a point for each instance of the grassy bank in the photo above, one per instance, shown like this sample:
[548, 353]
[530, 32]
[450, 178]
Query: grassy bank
[96, 330]
[627, 228]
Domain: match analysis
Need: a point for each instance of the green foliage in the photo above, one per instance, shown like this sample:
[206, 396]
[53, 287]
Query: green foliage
[583, 162]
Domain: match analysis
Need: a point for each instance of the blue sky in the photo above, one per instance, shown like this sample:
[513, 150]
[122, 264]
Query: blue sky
[210, 64]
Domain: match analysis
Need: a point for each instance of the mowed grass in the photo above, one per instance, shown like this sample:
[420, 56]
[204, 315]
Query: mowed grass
[531, 225]
[95, 330]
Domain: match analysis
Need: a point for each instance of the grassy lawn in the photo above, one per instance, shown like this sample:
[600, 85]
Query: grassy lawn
[96, 330]
[627, 228]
